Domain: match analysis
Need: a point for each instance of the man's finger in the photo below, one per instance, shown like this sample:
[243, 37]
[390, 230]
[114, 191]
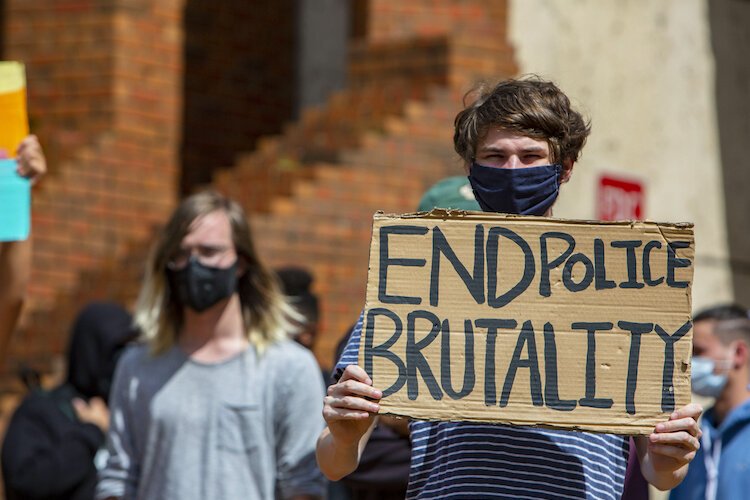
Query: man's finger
[676, 452]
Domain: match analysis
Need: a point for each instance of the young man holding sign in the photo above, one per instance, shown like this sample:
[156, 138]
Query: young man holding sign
[519, 141]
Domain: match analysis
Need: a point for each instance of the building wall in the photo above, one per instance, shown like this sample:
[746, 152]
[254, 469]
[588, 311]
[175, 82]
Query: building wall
[239, 80]
[104, 92]
[730, 38]
[323, 33]
[644, 73]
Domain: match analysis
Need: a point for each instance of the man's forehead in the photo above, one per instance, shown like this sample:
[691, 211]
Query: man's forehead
[211, 226]
[500, 138]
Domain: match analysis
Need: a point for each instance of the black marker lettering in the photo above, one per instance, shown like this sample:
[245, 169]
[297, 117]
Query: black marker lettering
[474, 284]
[492, 325]
[629, 246]
[673, 263]
[446, 358]
[415, 360]
[551, 393]
[590, 400]
[532, 363]
[667, 390]
[601, 282]
[647, 263]
[386, 261]
[492, 252]
[546, 265]
[636, 330]
[383, 349]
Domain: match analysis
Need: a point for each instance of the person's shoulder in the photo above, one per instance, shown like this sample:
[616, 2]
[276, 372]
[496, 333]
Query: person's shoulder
[288, 357]
[287, 350]
[135, 353]
[137, 357]
[36, 402]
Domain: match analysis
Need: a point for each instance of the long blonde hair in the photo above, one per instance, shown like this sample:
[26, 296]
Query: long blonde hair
[266, 314]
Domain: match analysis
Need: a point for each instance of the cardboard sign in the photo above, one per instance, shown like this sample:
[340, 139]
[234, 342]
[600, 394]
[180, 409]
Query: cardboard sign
[529, 320]
[14, 122]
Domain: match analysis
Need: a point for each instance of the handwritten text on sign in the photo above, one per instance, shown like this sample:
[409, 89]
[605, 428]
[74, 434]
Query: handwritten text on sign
[530, 321]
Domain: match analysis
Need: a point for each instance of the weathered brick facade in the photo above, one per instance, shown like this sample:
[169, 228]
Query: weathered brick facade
[128, 104]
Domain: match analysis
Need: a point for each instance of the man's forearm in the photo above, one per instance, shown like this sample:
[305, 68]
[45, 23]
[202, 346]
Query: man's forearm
[336, 460]
[15, 267]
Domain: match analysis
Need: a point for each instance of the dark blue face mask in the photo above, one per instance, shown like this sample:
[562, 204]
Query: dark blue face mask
[524, 191]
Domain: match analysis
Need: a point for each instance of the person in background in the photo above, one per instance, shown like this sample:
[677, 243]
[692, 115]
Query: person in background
[15, 256]
[451, 192]
[721, 370]
[54, 436]
[296, 284]
[219, 402]
[519, 141]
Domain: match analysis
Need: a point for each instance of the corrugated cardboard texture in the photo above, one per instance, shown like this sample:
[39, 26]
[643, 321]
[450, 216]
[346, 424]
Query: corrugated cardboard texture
[529, 320]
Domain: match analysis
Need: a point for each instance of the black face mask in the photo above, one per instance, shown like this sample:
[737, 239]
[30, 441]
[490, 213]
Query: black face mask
[199, 287]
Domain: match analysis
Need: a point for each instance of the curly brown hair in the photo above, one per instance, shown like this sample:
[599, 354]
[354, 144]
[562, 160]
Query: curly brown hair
[529, 106]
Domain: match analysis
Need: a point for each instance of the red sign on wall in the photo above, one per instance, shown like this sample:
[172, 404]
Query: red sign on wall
[619, 199]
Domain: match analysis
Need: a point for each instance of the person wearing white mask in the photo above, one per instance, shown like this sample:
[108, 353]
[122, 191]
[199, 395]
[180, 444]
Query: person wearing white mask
[721, 370]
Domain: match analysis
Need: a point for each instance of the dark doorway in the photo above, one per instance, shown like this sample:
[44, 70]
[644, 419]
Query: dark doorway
[239, 80]
[252, 67]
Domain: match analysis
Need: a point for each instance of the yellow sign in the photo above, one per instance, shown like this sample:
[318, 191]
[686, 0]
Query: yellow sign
[14, 123]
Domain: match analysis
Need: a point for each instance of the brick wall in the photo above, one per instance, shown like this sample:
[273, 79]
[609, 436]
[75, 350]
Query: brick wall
[475, 30]
[104, 96]
[312, 190]
[394, 19]
[239, 80]
[2, 30]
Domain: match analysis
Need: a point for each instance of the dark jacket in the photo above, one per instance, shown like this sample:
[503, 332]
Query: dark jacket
[47, 452]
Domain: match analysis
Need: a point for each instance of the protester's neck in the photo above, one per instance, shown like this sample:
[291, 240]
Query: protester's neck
[734, 395]
[215, 334]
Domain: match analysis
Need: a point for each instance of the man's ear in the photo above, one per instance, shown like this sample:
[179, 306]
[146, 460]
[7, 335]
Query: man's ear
[241, 266]
[741, 354]
[567, 170]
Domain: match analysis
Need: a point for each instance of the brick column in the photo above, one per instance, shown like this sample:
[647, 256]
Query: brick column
[105, 97]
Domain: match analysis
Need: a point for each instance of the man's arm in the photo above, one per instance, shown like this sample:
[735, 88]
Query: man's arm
[15, 268]
[350, 410]
[15, 256]
[666, 452]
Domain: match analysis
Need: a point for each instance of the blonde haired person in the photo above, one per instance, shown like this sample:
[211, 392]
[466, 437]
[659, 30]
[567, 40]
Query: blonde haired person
[218, 402]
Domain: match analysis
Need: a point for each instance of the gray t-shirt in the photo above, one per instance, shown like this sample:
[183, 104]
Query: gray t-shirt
[243, 428]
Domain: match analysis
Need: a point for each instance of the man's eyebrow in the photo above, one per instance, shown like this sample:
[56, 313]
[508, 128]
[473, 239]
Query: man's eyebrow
[492, 149]
[525, 149]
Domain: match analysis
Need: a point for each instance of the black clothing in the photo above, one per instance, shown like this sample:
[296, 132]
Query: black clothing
[47, 452]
